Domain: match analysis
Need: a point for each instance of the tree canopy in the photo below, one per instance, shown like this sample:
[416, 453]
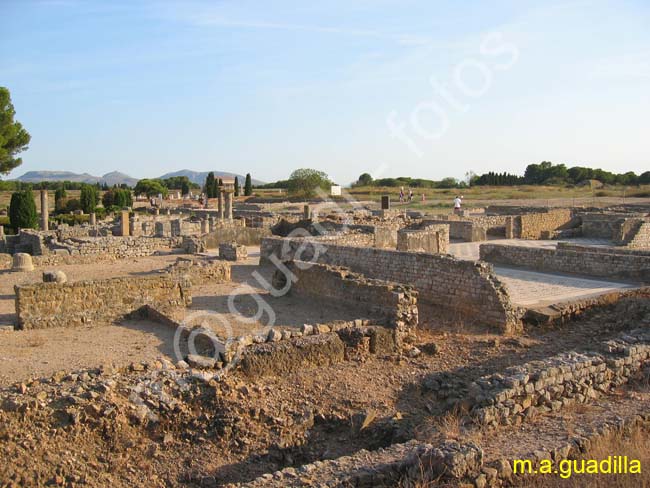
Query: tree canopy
[13, 137]
[304, 182]
[151, 188]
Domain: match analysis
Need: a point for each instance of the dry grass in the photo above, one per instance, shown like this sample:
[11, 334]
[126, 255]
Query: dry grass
[634, 445]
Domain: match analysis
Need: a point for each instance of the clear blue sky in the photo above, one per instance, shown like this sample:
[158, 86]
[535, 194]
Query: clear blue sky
[147, 87]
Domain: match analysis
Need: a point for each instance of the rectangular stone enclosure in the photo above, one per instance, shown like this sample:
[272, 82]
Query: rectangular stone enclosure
[45, 305]
[433, 239]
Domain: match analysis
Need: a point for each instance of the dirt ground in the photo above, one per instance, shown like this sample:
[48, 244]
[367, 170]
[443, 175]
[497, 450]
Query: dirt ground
[33, 353]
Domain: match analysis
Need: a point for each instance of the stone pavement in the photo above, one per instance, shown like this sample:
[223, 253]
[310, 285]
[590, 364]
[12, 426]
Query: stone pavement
[530, 288]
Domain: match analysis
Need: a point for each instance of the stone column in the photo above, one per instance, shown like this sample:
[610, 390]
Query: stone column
[124, 223]
[212, 224]
[2, 231]
[133, 230]
[93, 218]
[228, 203]
[306, 212]
[45, 213]
[204, 226]
[220, 203]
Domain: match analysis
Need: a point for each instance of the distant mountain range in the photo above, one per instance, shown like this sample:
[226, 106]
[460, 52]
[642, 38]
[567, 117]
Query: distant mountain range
[117, 178]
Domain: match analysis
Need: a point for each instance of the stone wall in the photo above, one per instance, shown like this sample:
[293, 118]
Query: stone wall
[432, 239]
[200, 270]
[118, 246]
[553, 383]
[465, 290]
[538, 225]
[245, 236]
[602, 225]
[599, 264]
[640, 238]
[394, 302]
[45, 305]
[626, 250]
[463, 230]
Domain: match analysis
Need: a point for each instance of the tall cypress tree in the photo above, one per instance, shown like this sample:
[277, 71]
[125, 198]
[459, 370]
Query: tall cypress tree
[209, 185]
[248, 185]
[236, 186]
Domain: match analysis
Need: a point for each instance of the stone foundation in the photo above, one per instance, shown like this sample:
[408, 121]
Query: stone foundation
[45, 305]
[553, 383]
[433, 239]
[232, 252]
[464, 290]
[397, 304]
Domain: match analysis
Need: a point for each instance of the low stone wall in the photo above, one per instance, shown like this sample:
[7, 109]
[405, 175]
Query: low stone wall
[465, 290]
[232, 252]
[538, 225]
[119, 247]
[601, 225]
[463, 230]
[553, 383]
[621, 266]
[200, 271]
[433, 239]
[396, 303]
[568, 311]
[569, 246]
[419, 463]
[246, 236]
[45, 305]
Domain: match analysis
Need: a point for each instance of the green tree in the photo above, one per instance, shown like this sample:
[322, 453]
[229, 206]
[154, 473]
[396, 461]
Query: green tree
[304, 182]
[185, 188]
[123, 198]
[248, 185]
[448, 183]
[236, 186]
[209, 185]
[13, 137]
[22, 210]
[60, 197]
[364, 180]
[108, 199]
[151, 188]
[89, 198]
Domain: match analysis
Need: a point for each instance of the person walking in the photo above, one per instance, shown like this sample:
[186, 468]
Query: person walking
[458, 201]
[401, 195]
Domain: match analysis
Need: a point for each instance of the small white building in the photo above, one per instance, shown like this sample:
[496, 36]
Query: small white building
[335, 190]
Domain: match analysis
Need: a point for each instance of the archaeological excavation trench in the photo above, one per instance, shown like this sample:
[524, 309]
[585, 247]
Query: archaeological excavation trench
[390, 362]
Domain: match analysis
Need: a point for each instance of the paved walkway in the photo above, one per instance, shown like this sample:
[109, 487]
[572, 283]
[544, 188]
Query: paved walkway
[531, 288]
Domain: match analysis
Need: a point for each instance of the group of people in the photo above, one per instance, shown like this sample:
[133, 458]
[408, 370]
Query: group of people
[403, 197]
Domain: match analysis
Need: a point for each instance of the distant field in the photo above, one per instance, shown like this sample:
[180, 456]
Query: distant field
[5, 197]
[476, 196]
[520, 195]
